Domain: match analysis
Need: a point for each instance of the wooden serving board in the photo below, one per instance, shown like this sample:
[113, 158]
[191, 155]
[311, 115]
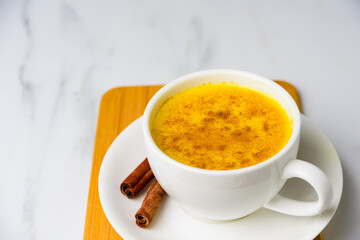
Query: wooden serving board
[118, 108]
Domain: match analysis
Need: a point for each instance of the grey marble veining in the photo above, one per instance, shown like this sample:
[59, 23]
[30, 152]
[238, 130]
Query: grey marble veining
[58, 57]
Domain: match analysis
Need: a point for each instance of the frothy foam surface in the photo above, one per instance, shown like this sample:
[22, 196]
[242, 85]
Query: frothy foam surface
[220, 127]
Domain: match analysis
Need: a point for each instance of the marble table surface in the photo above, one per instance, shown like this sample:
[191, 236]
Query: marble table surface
[58, 57]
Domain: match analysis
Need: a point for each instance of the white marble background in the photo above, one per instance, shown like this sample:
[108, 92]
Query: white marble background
[58, 57]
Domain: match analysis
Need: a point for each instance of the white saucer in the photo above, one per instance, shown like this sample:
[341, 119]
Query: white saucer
[171, 222]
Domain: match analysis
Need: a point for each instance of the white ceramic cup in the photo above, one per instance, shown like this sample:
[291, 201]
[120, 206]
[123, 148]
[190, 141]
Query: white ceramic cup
[231, 194]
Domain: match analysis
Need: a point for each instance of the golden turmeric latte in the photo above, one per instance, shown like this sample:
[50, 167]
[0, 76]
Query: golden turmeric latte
[221, 127]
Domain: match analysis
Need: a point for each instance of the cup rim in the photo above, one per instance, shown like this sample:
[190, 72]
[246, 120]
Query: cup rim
[150, 142]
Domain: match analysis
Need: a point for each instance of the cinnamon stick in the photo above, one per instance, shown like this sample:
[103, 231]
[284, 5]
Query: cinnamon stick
[150, 205]
[137, 180]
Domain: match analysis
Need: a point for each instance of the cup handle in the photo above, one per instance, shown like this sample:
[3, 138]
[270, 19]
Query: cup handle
[316, 178]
